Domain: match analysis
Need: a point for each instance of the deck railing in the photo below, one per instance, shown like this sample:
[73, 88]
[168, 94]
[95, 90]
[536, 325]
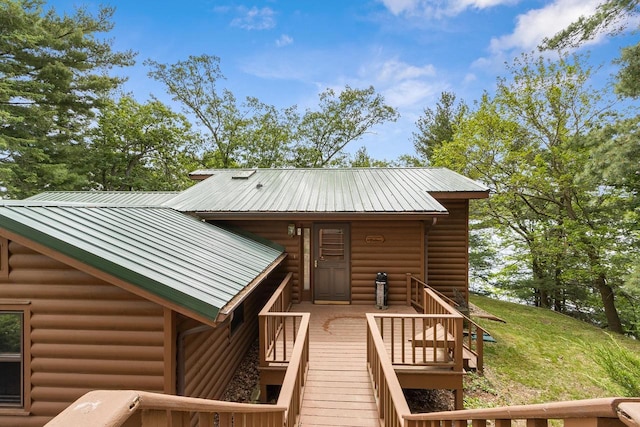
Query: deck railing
[422, 339]
[392, 405]
[114, 408]
[277, 326]
[473, 338]
[292, 390]
[610, 412]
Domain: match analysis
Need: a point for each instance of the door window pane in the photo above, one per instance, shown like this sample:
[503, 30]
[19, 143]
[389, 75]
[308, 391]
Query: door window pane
[11, 327]
[331, 244]
[306, 279]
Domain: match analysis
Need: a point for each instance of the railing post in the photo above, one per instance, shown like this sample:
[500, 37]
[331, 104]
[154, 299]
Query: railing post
[409, 289]
[262, 322]
[479, 349]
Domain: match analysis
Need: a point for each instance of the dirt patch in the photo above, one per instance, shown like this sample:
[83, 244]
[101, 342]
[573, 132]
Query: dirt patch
[421, 401]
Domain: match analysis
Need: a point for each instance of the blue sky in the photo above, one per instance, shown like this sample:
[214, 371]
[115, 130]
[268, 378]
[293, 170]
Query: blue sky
[286, 52]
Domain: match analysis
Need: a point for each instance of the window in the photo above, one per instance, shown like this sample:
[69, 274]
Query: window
[306, 278]
[14, 356]
[331, 245]
[238, 318]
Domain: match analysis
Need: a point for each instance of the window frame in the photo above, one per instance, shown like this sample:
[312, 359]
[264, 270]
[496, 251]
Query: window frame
[24, 308]
[237, 319]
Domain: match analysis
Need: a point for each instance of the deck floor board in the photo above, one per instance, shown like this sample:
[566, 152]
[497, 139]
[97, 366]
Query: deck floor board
[338, 390]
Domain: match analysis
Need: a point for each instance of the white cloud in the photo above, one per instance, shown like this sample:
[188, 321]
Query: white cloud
[254, 18]
[400, 6]
[284, 40]
[394, 70]
[530, 30]
[533, 26]
[439, 8]
[410, 93]
[470, 78]
[403, 85]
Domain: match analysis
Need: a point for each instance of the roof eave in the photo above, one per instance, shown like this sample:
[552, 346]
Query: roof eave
[229, 307]
[441, 195]
[334, 216]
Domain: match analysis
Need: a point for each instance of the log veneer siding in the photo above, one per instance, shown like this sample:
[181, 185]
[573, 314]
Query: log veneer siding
[213, 355]
[400, 253]
[447, 250]
[276, 231]
[85, 334]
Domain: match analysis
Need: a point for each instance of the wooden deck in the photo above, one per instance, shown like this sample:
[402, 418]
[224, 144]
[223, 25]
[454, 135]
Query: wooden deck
[338, 389]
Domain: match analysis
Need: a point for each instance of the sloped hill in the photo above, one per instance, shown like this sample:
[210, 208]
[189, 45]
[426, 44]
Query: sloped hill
[539, 356]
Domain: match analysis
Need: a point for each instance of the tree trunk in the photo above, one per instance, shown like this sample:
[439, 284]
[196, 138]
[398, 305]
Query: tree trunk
[608, 301]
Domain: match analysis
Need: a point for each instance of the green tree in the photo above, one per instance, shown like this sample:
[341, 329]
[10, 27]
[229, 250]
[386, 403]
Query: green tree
[530, 144]
[437, 126]
[140, 147]
[267, 137]
[194, 84]
[53, 77]
[362, 159]
[610, 17]
[341, 118]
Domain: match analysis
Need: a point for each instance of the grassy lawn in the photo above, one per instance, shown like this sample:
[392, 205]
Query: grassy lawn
[539, 356]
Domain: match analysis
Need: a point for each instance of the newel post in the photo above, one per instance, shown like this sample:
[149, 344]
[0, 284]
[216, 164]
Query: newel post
[409, 290]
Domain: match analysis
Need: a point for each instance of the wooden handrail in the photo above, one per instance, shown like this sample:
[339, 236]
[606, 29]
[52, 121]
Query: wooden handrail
[272, 326]
[392, 405]
[292, 389]
[414, 292]
[112, 408]
[429, 300]
[626, 410]
[280, 301]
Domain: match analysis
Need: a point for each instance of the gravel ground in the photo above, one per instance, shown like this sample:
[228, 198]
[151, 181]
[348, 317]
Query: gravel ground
[245, 382]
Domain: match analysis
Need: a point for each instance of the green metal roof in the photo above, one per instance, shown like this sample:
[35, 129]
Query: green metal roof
[195, 265]
[358, 190]
[120, 198]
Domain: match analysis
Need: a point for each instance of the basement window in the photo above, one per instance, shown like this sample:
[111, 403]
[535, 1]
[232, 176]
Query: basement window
[14, 358]
[238, 318]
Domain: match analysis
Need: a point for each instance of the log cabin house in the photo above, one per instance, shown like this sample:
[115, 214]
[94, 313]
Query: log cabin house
[160, 291]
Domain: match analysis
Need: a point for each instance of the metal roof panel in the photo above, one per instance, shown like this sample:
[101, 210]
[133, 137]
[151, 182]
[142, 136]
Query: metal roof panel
[196, 265]
[357, 190]
[120, 198]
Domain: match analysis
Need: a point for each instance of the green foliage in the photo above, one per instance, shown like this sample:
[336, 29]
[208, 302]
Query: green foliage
[621, 365]
[611, 17]
[541, 356]
[53, 76]
[266, 139]
[437, 127]
[10, 332]
[629, 74]
[140, 147]
[341, 118]
[254, 134]
[194, 84]
[536, 144]
[362, 159]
